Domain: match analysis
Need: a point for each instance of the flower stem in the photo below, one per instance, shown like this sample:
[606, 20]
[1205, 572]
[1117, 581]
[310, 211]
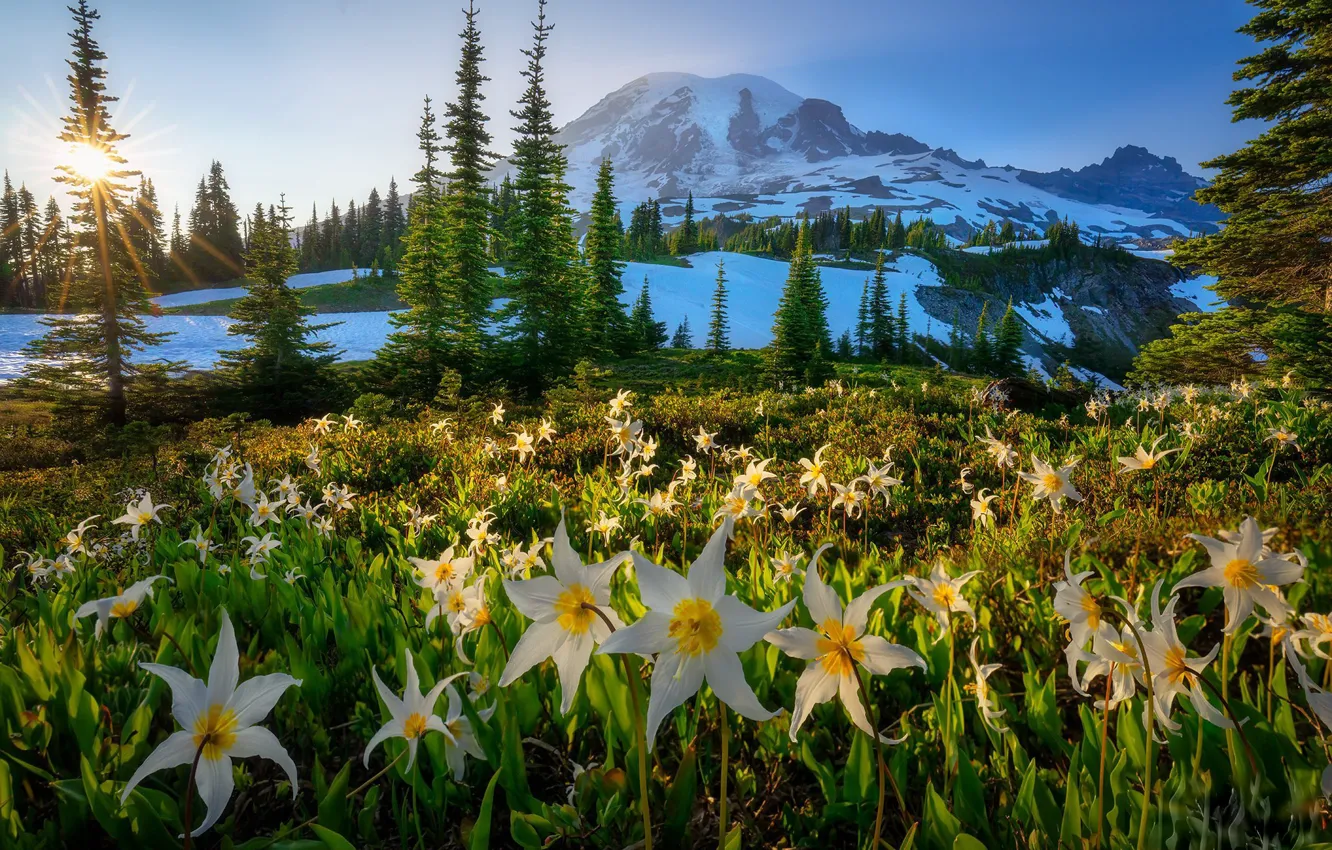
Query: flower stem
[725, 769]
[640, 729]
[1105, 737]
[883, 767]
[948, 704]
[1148, 740]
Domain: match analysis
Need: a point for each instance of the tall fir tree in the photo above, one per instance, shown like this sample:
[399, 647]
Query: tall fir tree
[87, 364]
[648, 333]
[605, 317]
[372, 231]
[800, 339]
[684, 337]
[178, 242]
[10, 248]
[902, 332]
[466, 208]
[864, 327]
[982, 360]
[416, 354]
[282, 372]
[1006, 353]
[686, 238]
[882, 337]
[216, 247]
[542, 320]
[394, 225]
[719, 328]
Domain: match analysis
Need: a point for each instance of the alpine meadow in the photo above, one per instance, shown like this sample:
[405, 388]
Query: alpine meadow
[697, 469]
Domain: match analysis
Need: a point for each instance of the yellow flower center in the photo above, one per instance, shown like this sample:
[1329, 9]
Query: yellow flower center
[696, 627]
[455, 728]
[414, 727]
[1176, 669]
[482, 617]
[124, 608]
[1093, 610]
[1241, 574]
[1148, 462]
[838, 649]
[945, 596]
[215, 732]
[444, 572]
[574, 618]
[1052, 482]
[457, 604]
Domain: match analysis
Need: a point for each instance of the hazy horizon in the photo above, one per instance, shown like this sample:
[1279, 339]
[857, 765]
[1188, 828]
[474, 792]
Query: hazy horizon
[322, 101]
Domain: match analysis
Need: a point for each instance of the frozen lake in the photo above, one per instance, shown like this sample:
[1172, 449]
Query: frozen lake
[754, 285]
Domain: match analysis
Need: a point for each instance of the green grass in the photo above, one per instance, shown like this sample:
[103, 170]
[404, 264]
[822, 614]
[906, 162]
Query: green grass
[363, 295]
[82, 713]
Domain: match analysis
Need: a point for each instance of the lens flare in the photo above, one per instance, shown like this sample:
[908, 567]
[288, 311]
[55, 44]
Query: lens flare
[89, 162]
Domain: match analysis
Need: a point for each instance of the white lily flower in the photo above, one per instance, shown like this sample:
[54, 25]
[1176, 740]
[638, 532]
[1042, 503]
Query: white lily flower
[442, 573]
[459, 738]
[263, 510]
[1320, 702]
[564, 629]
[218, 723]
[1002, 452]
[705, 442]
[941, 595]
[351, 423]
[990, 711]
[410, 717]
[74, 540]
[1174, 673]
[813, 476]
[1145, 459]
[497, 414]
[201, 544]
[1051, 483]
[622, 402]
[837, 644]
[140, 513]
[1246, 574]
[696, 631]
[785, 566]
[323, 423]
[878, 481]
[754, 476]
[981, 512]
[546, 431]
[260, 547]
[312, 459]
[523, 444]
[123, 604]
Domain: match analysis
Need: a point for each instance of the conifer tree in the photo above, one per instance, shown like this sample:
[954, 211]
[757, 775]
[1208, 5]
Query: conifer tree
[465, 207]
[416, 354]
[216, 247]
[686, 239]
[394, 225]
[981, 357]
[684, 337]
[83, 363]
[957, 344]
[648, 333]
[178, 243]
[719, 328]
[10, 249]
[897, 236]
[372, 230]
[282, 372]
[606, 321]
[800, 326]
[902, 331]
[542, 320]
[1006, 352]
[351, 236]
[309, 252]
[53, 254]
[881, 334]
[864, 329]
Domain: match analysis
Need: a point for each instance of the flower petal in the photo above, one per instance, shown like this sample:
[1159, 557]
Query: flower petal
[571, 659]
[536, 597]
[535, 646]
[815, 686]
[395, 706]
[742, 626]
[565, 561]
[215, 783]
[726, 677]
[857, 610]
[821, 600]
[659, 588]
[882, 657]
[258, 741]
[188, 695]
[648, 636]
[796, 642]
[256, 697]
[225, 670]
[674, 680]
[179, 748]
[849, 692]
[707, 575]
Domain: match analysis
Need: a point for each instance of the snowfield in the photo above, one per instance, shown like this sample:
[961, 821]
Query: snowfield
[296, 281]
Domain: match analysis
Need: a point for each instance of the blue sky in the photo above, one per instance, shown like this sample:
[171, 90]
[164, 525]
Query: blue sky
[321, 98]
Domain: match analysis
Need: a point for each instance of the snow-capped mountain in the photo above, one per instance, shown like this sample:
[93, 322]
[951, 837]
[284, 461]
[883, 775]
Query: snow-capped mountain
[743, 143]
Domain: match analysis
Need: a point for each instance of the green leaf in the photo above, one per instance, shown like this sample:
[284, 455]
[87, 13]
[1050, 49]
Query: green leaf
[1070, 831]
[966, 842]
[938, 826]
[331, 839]
[480, 837]
[1035, 805]
[680, 801]
[969, 796]
[333, 807]
[733, 838]
[523, 832]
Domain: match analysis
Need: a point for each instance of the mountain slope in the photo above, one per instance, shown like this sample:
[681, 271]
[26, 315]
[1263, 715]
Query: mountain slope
[743, 143]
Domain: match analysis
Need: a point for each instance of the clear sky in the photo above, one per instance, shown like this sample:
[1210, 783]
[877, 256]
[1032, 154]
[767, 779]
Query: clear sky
[321, 98]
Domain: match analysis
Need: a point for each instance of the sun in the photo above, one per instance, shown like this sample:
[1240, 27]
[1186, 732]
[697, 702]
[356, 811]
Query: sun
[89, 161]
